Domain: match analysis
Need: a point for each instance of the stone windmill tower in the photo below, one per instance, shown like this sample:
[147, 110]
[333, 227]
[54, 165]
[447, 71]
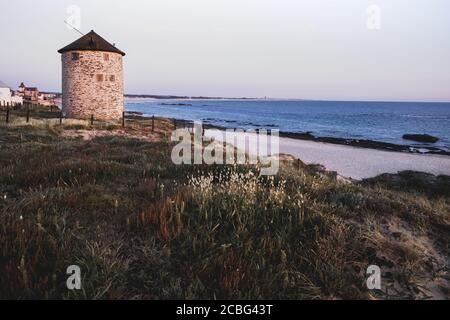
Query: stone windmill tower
[92, 79]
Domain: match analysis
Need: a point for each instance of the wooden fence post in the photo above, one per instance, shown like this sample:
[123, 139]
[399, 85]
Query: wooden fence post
[92, 119]
[28, 114]
[153, 123]
[60, 117]
[123, 119]
[7, 114]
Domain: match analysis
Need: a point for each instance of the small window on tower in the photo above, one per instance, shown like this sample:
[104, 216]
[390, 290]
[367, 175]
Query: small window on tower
[106, 57]
[112, 78]
[99, 78]
[75, 55]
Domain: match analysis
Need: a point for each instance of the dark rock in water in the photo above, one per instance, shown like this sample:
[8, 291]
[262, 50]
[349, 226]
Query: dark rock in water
[298, 135]
[362, 143]
[134, 113]
[420, 138]
[176, 104]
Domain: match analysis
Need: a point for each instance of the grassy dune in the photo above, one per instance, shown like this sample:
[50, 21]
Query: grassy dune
[142, 227]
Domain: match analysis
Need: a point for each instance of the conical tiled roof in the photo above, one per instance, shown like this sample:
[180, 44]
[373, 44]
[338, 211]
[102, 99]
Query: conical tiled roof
[92, 42]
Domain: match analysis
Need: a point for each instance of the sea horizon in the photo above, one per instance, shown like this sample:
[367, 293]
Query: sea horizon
[194, 97]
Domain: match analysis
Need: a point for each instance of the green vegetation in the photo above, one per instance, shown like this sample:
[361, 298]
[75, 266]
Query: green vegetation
[142, 227]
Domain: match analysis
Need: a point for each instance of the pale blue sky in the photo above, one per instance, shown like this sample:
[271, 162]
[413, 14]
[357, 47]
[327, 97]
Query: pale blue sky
[312, 49]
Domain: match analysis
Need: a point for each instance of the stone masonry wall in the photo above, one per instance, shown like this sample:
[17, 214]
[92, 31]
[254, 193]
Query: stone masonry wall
[92, 85]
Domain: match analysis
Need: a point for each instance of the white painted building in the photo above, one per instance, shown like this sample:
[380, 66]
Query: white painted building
[6, 97]
[5, 93]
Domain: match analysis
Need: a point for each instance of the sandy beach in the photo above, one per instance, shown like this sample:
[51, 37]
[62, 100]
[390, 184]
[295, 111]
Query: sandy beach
[354, 162]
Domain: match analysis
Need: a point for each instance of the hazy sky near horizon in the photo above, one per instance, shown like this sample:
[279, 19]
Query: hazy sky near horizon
[310, 49]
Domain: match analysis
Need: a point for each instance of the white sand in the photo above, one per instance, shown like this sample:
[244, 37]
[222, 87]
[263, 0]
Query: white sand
[357, 163]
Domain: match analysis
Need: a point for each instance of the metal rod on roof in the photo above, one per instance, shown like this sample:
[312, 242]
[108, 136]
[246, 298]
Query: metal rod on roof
[73, 28]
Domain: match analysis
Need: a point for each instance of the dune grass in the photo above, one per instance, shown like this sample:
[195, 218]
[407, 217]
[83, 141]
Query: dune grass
[142, 227]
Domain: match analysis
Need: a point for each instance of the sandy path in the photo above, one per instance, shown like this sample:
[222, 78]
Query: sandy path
[357, 163]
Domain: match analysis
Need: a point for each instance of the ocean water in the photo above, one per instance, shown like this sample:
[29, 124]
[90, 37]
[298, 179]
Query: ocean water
[378, 121]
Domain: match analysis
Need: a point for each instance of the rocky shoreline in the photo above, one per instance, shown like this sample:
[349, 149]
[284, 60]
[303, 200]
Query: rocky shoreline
[364, 143]
[360, 143]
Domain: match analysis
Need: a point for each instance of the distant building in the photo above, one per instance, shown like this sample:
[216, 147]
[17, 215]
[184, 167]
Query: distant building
[21, 90]
[29, 94]
[7, 96]
[33, 95]
[47, 96]
[5, 92]
[92, 79]
[47, 99]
